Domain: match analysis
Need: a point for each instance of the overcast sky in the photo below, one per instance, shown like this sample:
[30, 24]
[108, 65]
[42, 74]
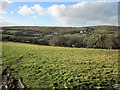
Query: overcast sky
[82, 13]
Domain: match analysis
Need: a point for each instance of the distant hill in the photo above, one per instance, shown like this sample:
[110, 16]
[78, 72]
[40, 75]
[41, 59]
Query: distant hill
[87, 37]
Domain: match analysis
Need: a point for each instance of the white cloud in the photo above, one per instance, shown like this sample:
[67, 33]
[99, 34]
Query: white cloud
[35, 9]
[25, 10]
[107, 0]
[85, 12]
[11, 12]
[38, 9]
[57, 10]
[8, 1]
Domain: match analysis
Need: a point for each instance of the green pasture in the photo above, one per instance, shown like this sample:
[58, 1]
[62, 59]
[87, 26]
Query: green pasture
[41, 66]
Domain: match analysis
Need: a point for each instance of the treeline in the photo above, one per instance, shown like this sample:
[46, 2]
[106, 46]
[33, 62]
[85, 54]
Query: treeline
[86, 41]
[105, 37]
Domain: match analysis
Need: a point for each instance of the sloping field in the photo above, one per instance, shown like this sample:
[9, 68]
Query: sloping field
[41, 66]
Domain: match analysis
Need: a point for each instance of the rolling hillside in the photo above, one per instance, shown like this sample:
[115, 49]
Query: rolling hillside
[104, 37]
[42, 66]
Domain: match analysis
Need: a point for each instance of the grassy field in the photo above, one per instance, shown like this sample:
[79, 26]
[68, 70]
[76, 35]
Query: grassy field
[41, 66]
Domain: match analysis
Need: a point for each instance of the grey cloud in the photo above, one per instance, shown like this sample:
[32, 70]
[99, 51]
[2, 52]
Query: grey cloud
[99, 12]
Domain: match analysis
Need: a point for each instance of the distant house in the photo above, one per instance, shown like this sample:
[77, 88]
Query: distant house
[81, 32]
[56, 33]
[27, 41]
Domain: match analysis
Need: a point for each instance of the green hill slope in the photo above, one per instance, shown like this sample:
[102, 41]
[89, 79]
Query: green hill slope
[41, 66]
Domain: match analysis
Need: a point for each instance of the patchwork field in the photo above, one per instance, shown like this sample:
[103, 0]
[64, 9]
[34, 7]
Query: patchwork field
[41, 66]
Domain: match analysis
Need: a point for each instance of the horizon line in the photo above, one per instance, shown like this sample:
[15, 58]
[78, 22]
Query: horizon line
[55, 25]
